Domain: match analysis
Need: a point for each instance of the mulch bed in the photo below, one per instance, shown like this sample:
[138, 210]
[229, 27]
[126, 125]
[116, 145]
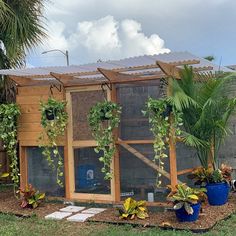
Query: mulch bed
[10, 205]
[208, 218]
[167, 220]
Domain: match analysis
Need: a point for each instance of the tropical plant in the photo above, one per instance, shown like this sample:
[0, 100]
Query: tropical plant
[103, 118]
[8, 134]
[185, 196]
[21, 28]
[30, 197]
[210, 175]
[132, 209]
[158, 112]
[53, 130]
[206, 103]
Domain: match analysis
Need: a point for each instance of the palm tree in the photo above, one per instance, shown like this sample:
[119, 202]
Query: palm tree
[207, 105]
[21, 28]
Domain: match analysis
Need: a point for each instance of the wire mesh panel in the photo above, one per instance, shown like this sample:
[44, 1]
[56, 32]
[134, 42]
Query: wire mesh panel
[81, 103]
[88, 175]
[132, 98]
[186, 159]
[227, 152]
[40, 175]
[139, 178]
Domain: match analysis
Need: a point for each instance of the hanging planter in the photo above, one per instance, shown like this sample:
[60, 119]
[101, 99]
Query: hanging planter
[103, 118]
[51, 113]
[8, 134]
[158, 112]
[54, 120]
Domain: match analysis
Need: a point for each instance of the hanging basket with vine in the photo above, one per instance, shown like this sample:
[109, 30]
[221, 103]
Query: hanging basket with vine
[159, 112]
[54, 120]
[9, 114]
[103, 118]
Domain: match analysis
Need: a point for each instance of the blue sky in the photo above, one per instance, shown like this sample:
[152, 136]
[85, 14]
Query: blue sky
[109, 29]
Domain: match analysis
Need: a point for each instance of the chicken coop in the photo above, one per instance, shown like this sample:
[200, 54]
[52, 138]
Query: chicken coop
[128, 82]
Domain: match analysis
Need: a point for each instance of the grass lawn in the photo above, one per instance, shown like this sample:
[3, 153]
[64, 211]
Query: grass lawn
[11, 225]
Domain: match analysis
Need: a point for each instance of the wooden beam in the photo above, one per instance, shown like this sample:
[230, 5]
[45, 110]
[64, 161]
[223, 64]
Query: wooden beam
[185, 171]
[144, 159]
[135, 141]
[20, 81]
[26, 81]
[169, 70]
[62, 78]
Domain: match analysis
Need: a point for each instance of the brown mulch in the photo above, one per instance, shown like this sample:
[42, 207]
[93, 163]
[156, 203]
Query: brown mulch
[9, 204]
[207, 219]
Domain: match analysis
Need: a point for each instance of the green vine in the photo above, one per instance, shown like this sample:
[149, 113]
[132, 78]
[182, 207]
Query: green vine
[103, 118]
[8, 134]
[54, 119]
[158, 111]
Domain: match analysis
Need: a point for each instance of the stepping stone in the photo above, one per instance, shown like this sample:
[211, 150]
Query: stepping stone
[93, 210]
[57, 215]
[72, 209]
[79, 217]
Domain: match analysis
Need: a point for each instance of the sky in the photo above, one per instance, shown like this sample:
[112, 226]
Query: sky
[93, 30]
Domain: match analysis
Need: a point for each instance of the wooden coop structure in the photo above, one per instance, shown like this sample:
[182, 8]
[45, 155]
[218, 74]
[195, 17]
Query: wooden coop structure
[128, 82]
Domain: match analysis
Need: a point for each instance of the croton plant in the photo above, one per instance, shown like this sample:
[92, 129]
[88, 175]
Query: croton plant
[30, 197]
[203, 176]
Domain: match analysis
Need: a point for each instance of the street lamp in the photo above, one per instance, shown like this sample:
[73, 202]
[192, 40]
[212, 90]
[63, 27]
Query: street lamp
[66, 54]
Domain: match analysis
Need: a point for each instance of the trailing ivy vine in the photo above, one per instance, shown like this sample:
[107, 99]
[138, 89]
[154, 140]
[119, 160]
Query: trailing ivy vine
[8, 134]
[103, 118]
[158, 112]
[54, 120]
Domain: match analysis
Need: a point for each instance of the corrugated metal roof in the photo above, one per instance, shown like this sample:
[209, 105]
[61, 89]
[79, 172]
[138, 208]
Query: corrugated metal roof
[127, 63]
[232, 67]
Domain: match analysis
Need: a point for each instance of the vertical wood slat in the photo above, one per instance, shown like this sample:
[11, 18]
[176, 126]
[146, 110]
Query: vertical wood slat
[116, 158]
[23, 167]
[69, 156]
[172, 146]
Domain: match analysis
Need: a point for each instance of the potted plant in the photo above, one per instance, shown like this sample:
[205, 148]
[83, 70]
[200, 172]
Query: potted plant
[51, 109]
[207, 106]
[187, 202]
[103, 118]
[54, 120]
[215, 181]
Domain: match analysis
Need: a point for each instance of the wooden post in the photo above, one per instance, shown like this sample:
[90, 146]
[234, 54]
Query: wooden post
[172, 147]
[116, 159]
[23, 167]
[69, 157]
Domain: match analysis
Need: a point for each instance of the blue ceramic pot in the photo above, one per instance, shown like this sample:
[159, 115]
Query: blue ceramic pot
[183, 216]
[217, 193]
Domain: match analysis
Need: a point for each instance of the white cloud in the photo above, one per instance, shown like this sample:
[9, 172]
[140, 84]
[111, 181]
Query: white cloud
[197, 26]
[57, 38]
[135, 42]
[97, 35]
[105, 39]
